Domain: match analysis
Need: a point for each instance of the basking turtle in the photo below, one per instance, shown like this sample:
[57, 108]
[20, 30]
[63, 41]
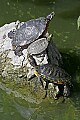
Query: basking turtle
[29, 32]
[52, 74]
[38, 46]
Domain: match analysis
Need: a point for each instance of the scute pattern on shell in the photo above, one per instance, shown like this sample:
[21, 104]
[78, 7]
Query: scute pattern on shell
[53, 73]
[29, 32]
[37, 46]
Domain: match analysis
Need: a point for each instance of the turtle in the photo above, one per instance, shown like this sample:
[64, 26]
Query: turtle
[38, 46]
[29, 32]
[52, 74]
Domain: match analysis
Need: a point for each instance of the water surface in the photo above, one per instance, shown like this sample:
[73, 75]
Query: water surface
[67, 39]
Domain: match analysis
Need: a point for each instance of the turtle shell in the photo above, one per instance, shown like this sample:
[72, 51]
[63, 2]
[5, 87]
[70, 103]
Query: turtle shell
[29, 32]
[53, 74]
[37, 46]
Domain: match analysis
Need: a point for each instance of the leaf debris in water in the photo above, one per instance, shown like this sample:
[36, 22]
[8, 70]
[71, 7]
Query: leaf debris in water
[78, 23]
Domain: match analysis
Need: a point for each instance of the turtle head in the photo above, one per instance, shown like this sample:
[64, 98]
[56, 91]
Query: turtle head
[11, 34]
[50, 16]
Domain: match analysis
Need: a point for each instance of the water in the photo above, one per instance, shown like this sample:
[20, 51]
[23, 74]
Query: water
[66, 37]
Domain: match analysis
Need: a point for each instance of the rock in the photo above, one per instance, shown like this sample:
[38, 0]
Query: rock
[13, 66]
[16, 69]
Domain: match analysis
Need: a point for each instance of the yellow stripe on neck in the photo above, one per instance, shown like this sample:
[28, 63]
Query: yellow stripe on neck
[36, 73]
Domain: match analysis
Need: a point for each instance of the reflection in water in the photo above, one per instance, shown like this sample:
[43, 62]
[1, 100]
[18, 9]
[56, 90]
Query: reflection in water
[24, 111]
[67, 39]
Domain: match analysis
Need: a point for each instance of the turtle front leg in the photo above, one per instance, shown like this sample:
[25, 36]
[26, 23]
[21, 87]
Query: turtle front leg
[56, 92]
[38, 81]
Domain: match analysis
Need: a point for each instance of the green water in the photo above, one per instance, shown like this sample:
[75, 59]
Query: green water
[67, 39]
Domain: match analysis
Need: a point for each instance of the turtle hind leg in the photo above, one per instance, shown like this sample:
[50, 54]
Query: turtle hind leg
[56, 92]
[66, 91]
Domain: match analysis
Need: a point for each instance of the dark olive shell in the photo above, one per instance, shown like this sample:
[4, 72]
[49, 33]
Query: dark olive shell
[29, 32]
[53, 74]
